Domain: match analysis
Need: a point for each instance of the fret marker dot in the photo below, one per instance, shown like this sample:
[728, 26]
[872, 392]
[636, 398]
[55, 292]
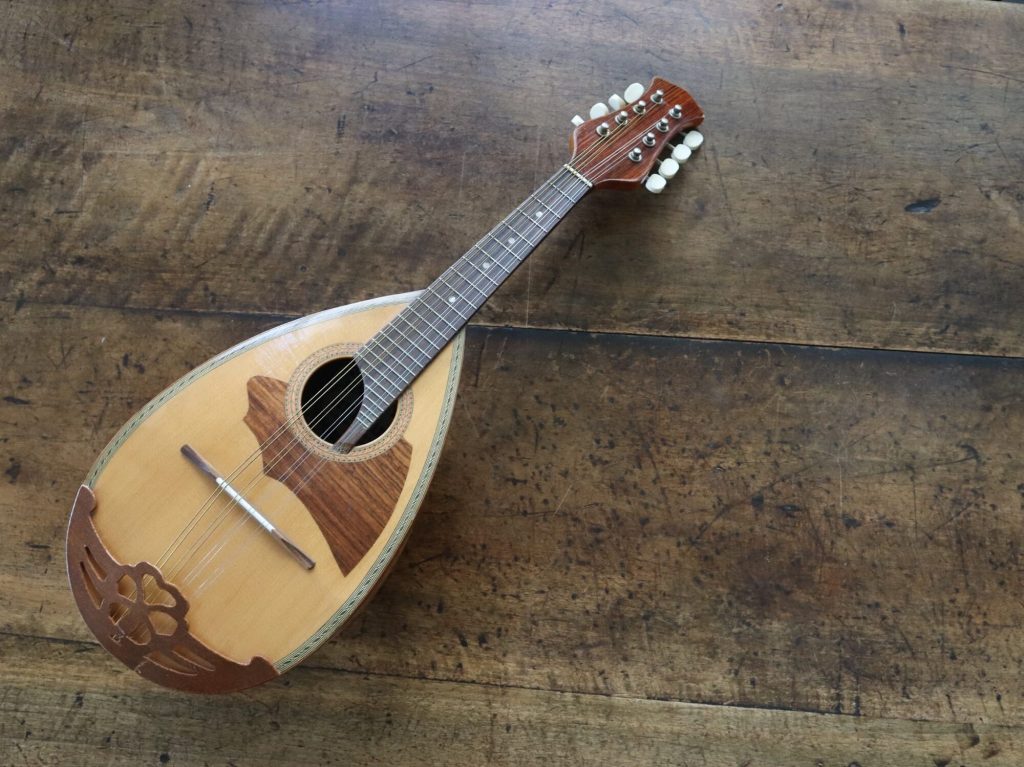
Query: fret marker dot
[487, 264]
[511, 240]
[538, 214]
[451, 299]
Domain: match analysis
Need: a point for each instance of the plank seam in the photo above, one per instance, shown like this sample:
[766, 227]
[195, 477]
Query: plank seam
[278, 318]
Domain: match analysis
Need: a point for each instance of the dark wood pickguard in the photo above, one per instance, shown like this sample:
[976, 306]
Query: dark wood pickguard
[351, 501]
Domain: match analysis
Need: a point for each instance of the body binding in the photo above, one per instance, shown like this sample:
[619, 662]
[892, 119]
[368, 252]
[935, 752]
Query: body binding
[227, 608]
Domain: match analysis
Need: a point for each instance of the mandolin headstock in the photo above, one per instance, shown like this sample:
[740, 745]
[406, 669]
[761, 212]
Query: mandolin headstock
[619, 146]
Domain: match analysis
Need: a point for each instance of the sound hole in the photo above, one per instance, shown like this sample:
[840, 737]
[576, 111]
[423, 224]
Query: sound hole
[330, 400]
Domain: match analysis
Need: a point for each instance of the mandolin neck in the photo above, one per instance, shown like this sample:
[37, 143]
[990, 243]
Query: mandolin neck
[395, 356]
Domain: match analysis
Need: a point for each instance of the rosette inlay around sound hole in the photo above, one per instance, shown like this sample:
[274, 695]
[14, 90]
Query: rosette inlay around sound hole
[330, 400]
[322, 400]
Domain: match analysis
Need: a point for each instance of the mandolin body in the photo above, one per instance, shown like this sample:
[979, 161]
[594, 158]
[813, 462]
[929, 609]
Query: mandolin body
[196, 595]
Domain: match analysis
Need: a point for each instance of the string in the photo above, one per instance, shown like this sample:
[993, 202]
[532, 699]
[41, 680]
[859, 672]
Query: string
[233, 475]
[507, 267]
[472, 284]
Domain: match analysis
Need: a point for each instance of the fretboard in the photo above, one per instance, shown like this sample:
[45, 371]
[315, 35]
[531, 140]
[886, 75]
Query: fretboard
[398, 352]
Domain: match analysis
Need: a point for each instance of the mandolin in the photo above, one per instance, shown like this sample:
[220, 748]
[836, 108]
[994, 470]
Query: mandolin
[241, 517]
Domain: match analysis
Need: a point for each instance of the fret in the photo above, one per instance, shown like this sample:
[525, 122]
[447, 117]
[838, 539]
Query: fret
[556, 188]
[391, 388]
[439, 315]
[573, 180]
[518, 233]
[533, 220]
[428, 355]
[396, 354]
[513, 238]
[486, 270]
[418, 330]
[484, 294]
[503, 245]
[399, 346]
[371, 383]
[375, 401]
[547, 206]
[420, 317]
[455, 291]
[368, 349]
[482, 271]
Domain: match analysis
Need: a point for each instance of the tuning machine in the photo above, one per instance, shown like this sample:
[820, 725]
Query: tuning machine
[669, 167]
[633, 92]
[656, 182]
[691, 142]
[680, 153]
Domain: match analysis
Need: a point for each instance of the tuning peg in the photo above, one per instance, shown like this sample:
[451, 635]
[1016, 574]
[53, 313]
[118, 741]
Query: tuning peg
[693, 139]
[633, 92]
[616, 102]
[599, 109]
[681, 153]
[668, 168]
[655, 183]
[577, 121]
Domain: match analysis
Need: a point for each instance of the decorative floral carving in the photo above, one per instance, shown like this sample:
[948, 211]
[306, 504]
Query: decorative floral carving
[141, 618]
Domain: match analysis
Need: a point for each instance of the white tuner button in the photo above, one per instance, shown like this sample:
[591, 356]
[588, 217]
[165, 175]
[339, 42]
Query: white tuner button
[681, 153]
[598, 110]
[578, 121]
[693, 139]
[633, 92]
[615, 101]
[655, 183]
[668, 168]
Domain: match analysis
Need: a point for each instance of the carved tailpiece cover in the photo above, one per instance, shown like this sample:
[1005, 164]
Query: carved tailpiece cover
[351, 501]
[141, 619]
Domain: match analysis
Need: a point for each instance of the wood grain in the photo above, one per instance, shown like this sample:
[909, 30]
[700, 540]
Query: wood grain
[58, 706]
[636, 550]
[833, 531]
[352, 501]
[861, 184]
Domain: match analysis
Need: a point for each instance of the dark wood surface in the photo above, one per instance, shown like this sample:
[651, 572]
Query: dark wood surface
[666, 528]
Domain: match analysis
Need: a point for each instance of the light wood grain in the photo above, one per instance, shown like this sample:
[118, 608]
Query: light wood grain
[181, 157]
[58, 707]
[247, 597]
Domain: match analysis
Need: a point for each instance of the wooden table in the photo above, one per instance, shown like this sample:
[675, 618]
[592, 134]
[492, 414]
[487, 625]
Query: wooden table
[735, 475]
